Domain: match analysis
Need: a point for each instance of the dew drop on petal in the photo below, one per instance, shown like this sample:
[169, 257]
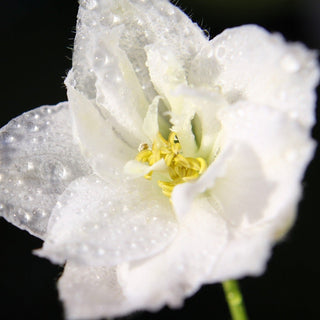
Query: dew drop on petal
[290, 64]
[220, 52]
[101, 252]
[291, 155]
[8, 138]
[90, 4]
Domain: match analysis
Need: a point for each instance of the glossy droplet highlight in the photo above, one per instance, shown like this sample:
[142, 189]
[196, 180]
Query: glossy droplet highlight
[290, 64]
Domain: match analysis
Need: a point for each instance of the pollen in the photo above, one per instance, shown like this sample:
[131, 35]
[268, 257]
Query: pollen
[181, 169]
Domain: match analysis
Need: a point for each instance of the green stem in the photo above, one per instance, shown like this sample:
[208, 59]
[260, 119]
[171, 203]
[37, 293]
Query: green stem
[235, 300]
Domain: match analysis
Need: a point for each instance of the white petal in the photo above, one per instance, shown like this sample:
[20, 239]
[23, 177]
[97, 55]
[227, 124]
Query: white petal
[202, 104]
[246, 253]
[204, 68]
[101, 143]
[167, 73]
[102, 71]
[180, 270]
[282, 149]
[137, 169]
[99, 223]
[167, 278]
[184, 194]
[109, 56]
[151, 121]
[90, 292]
[255, 183]
[39, 159]
[261, 67]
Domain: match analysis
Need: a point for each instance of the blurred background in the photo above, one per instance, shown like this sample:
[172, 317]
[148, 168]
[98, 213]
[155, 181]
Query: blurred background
[36, 37]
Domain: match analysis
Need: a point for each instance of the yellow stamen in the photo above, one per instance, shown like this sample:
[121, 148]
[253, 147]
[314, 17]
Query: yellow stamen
[181, 169]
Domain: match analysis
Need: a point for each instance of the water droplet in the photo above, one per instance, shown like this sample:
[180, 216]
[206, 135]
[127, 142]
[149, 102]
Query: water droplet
[90, 4]
[59, 204]
[290, 64]
[84, 248]
[116, 19]
[170, 11]
[27, 198]
[220, 52]
[27, 217]
[54, 169]
[7, 137]
[101, 252]
[186, 31]
[210, 53]
[291, 155]
[39, 212]
[30, 166]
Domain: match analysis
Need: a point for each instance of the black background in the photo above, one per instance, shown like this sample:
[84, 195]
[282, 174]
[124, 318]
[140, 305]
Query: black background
[35, 41]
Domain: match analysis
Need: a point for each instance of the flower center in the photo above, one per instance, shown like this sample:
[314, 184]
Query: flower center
[181, 169]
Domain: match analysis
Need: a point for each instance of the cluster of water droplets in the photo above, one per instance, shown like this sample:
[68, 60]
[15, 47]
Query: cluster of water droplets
[37, 161]
[106, 222]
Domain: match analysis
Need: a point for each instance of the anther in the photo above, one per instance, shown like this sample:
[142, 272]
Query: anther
[180, 168]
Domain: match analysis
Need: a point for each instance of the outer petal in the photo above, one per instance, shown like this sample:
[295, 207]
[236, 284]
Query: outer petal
[167, 278]
[102, 144]
[179, 271]
[90, 292]
[257, 186]
[281, 146]
[260, 67]
[99, 223]
[39, 159]
[109, 57]
[246, 253]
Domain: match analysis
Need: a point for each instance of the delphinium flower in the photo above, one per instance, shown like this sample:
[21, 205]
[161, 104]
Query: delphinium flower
[177, 160]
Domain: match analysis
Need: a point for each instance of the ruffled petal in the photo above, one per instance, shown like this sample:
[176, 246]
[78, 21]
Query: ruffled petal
[200, 108]
[39, 159]
[90, 292]
[282, 149]
[109, 61]
[167, 278]
[246, 253]
[101, 70]
[104, 147]
[180, 270]
[261, 67]
[255, 181]
[104, 223]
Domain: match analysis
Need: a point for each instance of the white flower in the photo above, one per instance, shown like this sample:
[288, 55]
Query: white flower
[222, 188]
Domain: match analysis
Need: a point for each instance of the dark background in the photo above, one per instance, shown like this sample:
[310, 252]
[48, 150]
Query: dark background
[35, 55]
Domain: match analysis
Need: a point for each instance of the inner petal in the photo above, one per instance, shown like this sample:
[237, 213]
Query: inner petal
[90, 218]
